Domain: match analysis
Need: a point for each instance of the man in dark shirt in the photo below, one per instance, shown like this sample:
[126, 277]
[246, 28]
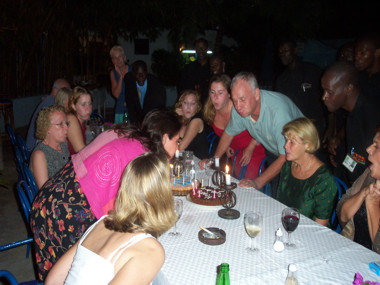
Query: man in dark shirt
[143, 92]
[196, 75]
[300, 81]
[340, 83]
[367, 61]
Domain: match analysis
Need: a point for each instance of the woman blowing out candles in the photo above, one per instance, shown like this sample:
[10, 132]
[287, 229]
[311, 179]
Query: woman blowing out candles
[121, 247]
[359, 209]
[85, 189]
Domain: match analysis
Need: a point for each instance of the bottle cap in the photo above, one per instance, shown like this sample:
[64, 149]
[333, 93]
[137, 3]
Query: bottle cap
[292, 267]
[279, 232]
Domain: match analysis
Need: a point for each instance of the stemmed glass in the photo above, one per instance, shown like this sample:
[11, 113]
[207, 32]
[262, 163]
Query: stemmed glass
[178, 208]
[253, 222]
[290, 218]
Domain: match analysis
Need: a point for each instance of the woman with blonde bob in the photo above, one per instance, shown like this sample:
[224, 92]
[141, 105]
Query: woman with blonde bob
[121, 247]
[305, 182]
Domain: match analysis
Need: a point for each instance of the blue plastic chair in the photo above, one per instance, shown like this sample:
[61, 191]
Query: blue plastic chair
[342, 187]
[211, 137]
[242, 170]
[29, 178]
[11, 134]
[12, 280]
[267, 186]
[26, 197]
[19, 160]
[23, 148]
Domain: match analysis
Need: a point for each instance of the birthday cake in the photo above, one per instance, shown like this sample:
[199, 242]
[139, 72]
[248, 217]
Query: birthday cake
[208, 196]
[181, 186]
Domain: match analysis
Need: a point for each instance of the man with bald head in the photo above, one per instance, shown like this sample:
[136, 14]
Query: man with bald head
[48, 101]
[341, 87]
[263, 113]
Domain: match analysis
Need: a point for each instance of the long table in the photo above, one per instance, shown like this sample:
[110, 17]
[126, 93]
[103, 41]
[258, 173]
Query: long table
[322, 256]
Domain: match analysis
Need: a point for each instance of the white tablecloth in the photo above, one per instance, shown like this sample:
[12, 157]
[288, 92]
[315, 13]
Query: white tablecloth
[322, 256]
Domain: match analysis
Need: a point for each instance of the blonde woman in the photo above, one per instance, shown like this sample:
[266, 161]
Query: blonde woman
[62, 98]
[80, 109]
[305, 182]
[117, 80]
[193, 134]
[51, 154]
[121, 247]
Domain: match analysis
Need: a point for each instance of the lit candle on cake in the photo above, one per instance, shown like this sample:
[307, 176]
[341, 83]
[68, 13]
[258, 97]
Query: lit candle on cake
[192, 184]
[202, 183]
[228, 176]
[171, 170]
[179, 169]
[183, 180]
[214, 196]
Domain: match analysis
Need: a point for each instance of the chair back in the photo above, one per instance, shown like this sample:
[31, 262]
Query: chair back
[9, 277]
[19, 160]
[23, 148]
[267, 188]
[211, 137]
[11, 134]
[242, 170]
[29, 178]
[342, 187]
[26, 197]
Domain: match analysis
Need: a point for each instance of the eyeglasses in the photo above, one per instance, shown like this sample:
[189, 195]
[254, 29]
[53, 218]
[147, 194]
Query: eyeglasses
[62, 124]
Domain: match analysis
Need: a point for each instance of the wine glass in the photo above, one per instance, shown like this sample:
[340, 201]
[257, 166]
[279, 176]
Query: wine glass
[253, 222]
[290, 218]
[178, 208]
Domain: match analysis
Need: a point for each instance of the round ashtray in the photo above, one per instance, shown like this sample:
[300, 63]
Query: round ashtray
[219, 236]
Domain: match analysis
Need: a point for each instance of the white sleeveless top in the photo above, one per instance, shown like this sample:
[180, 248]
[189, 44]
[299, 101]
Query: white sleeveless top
[90, 268]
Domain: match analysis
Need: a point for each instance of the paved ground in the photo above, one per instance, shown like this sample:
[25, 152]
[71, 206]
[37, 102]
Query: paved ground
[12, 225]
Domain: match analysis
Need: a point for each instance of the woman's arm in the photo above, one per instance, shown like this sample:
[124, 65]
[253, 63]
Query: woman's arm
[60, 270]
[352, 205]
[322, 222]
[194, 127]
[147, 260]
[38, 166]
[74, 133]
[247, 152]
[116, 86]
[373, 208]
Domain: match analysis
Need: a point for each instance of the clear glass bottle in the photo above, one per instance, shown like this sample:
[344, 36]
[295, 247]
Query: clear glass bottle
[291, 279]
[223, 275]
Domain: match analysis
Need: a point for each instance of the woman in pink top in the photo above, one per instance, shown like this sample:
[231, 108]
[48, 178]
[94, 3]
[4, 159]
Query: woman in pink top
[217, 113]
[85, 189]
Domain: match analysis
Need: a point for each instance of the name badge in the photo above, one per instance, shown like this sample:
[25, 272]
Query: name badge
[349, 163]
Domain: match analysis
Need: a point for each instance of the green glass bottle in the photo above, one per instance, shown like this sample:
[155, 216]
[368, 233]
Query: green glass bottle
[223, 275]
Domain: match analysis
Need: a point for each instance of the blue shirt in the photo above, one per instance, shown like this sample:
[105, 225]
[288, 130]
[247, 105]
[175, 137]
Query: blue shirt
[143, 91]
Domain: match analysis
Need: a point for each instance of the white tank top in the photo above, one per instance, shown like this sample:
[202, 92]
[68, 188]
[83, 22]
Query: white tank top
[90, 268]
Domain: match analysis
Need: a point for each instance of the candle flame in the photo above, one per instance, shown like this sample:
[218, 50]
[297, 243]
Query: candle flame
[171, 166]
[227, 168]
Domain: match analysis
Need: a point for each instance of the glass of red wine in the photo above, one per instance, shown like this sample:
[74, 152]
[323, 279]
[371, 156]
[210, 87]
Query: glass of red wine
[290, 218]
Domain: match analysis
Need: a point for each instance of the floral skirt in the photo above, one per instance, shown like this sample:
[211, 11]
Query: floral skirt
[59, 216]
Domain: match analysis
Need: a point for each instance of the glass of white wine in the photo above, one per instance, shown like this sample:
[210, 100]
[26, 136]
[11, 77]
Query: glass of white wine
[253, 222]
[178, 208]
